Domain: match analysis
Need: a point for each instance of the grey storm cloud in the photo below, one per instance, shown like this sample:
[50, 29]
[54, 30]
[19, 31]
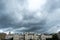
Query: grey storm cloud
[15, 16]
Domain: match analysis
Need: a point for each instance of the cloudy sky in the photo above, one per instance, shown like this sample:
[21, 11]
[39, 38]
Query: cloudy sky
[41, 16]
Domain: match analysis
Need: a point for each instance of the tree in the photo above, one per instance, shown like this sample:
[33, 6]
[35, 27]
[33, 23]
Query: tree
[55, 37]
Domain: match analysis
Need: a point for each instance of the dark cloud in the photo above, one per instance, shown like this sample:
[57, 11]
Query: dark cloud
[15, 17]
[51, 5]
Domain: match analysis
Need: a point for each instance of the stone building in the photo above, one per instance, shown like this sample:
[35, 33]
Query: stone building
[58, 35]
[45, 36]
[16, 37]
[9, 36]
[2, 36]
[28, 36]
[22, 37]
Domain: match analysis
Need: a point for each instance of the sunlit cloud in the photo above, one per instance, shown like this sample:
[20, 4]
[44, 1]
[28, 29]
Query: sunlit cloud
[34, 5]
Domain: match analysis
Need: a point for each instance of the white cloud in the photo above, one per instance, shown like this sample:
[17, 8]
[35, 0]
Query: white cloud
[39, 15]
[5, 30]
[16, 11]
[34, 5]
[22, 28]
[54, 29]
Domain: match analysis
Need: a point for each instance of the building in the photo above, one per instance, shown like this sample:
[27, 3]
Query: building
[9, 36]
[22, 37]
[45, 36]
[16, 37]
[28, 36]
[2, 36]
[58, 35]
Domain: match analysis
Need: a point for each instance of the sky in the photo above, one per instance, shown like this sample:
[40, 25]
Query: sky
[39, 16]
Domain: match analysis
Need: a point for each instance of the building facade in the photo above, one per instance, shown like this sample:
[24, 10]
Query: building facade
[29, 36]
[44, 37]
[58, 35]
[2, 36]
